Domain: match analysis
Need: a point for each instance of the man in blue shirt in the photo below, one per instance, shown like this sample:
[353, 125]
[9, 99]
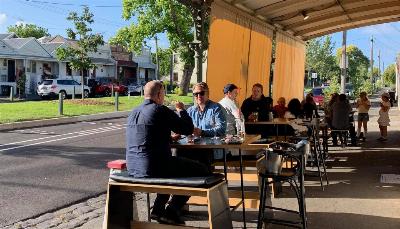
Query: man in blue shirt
[209, 120]
[148, 151]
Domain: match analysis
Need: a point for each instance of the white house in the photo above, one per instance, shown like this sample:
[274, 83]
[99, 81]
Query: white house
[146, 68]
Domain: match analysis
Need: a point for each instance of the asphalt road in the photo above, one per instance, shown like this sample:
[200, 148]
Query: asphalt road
[43, 169]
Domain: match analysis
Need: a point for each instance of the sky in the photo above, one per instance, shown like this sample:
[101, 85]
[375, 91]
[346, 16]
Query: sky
[51, 14]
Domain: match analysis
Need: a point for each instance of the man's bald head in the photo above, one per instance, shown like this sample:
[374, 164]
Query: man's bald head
[152, 90]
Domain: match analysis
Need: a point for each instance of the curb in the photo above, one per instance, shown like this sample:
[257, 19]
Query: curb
[64, 120]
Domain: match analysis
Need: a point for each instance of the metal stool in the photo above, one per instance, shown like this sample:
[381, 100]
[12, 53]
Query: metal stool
[295, 170]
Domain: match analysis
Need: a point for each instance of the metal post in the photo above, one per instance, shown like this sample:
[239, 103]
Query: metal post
[112, 90]
[73, 94]
[12, 94]
[141, 92]
[343, 70]
[116, 101]
[60, 104]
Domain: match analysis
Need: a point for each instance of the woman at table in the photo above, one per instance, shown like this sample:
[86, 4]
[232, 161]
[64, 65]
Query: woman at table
[309, 108]
[294, 109]
[257, 106]
[280, 109]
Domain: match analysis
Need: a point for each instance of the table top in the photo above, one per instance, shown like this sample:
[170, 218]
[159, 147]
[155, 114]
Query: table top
[209, 143]
[276, 121]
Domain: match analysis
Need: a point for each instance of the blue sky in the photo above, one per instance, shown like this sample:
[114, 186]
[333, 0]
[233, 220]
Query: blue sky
[51, 14]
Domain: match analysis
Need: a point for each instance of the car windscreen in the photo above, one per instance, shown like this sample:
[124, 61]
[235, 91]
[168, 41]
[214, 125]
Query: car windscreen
[47, 82]
[318, 91]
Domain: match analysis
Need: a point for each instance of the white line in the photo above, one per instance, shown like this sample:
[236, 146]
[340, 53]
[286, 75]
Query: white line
[54, 140]
[78, 132]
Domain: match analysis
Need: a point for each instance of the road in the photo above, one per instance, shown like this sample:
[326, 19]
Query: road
[42, 169]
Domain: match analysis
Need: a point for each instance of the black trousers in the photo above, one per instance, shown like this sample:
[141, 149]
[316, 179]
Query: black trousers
[179, 167]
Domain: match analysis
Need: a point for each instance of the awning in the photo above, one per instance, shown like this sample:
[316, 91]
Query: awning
[126, 63]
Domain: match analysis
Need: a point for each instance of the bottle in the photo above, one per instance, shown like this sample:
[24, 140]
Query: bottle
[270, 116]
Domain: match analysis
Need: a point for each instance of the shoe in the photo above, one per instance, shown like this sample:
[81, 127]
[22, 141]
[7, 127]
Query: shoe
[379, 139]
[361, 136]
[384, 139]
[171, 217]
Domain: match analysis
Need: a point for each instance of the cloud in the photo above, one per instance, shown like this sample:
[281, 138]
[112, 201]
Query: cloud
[3, 18]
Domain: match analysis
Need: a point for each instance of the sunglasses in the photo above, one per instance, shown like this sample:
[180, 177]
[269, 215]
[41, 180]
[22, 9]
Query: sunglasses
[201, 93]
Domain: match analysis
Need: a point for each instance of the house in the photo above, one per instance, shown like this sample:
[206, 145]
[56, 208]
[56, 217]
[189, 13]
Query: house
[146, 68]
[37, 59]
[126, 68]
[178, 70]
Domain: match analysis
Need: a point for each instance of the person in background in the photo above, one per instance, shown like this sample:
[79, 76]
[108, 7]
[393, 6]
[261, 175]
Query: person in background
[340, 117]
[257, 106]
[148, 150]
[328, 108]
[383, 119]
[309, 107]
[280, 109]
[294, 109]
[233, 113]
[363, 104]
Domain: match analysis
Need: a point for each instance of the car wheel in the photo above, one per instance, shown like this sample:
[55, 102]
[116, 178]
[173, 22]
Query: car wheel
[86, 94]
[63, 94]
[107, 93]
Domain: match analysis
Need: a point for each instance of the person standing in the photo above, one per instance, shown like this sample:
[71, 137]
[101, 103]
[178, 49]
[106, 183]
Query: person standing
[383, 119]
[233, 114]
[363, 104]
[340, 117]
[148, 150]
[257, 106]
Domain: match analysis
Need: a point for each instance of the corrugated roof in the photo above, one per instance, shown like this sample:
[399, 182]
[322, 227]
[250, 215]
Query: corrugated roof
[17, 43]
[51, 47]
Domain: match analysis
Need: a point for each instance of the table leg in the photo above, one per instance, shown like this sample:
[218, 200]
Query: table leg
[242, 188]
[302, 192]
[225, 167]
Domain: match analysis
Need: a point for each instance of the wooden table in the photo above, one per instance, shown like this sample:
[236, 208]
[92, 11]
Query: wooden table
[209, 143]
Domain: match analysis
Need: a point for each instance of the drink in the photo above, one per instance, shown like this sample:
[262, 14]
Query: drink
[255, 116]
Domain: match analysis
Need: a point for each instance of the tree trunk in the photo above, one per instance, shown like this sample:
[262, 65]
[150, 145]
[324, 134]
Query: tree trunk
[187, 75]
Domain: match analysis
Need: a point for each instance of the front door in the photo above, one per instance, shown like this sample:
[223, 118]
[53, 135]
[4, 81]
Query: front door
[146, 75]
[11, 70]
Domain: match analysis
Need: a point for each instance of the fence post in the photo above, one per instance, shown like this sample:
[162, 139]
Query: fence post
[116, 101]
[141, 92]
[112, 90]
[12, 94]
[73, 94]
[60, 104]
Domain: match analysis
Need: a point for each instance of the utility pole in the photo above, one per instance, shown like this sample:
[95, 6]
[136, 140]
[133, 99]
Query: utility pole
[379, 66]
[157, 63]
[171, 73]
[372, 59]
[344, 64]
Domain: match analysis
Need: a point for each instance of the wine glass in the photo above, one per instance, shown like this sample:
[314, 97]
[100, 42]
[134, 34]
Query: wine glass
[214, 126]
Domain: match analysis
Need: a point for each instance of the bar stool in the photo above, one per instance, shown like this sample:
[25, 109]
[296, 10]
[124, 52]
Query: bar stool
[317, 153]
[294, 171]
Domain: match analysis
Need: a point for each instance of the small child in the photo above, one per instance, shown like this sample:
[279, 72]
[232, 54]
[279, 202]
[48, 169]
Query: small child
[363, 104]
[383, 119]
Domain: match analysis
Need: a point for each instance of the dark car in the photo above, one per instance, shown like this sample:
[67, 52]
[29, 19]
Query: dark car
[318, 93]
[105, 87]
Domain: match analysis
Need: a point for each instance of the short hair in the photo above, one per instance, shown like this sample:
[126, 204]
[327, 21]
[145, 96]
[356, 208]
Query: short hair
[342, 97]
[259, 86]
[152, 88]
[282, 99]
[202, 85]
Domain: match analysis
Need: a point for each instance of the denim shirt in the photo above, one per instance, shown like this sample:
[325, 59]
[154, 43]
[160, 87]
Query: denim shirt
[204, 120]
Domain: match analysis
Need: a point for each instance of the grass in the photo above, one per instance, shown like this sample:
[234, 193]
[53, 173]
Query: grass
[36, 110]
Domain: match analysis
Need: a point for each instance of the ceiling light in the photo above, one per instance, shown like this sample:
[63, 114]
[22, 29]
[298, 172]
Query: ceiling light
[305, 15]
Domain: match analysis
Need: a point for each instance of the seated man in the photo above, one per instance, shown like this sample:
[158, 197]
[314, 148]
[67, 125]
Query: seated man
[148, 151]
[257, 106]
[209, 121]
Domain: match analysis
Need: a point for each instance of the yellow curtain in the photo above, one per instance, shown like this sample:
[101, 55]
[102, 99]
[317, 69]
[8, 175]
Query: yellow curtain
[289, 67]
[236, 54]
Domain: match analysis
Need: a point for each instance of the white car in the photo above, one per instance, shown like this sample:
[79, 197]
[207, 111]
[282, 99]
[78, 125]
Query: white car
[53, 87]
[135, 89]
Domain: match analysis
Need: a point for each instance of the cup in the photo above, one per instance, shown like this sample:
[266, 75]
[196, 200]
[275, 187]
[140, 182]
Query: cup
[190, 138]
[255, 116]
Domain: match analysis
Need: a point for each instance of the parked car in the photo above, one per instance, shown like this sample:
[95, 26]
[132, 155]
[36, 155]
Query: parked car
[349, 90]
[135, 89]
[106, 86]
[53, 87]
[318, 93]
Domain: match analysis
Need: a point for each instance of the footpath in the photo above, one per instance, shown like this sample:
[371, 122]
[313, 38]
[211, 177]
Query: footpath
[355, 198]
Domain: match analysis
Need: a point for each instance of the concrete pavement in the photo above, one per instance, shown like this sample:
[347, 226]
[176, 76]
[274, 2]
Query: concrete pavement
[355, 197]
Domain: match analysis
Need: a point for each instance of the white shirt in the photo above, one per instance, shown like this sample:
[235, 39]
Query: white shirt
[232, 114]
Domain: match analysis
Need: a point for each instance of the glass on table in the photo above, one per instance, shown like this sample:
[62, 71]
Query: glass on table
[190, 138]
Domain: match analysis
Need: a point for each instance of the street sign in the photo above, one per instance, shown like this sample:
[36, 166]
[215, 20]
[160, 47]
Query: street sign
[314, 75]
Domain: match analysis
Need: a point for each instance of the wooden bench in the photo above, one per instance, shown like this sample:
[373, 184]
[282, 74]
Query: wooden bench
[121, 213]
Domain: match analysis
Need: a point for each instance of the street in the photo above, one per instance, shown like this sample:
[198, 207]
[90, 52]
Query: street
[42, 169]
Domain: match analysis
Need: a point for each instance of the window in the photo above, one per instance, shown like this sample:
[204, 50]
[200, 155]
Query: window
[175, 76]
[33, 66]
[68, 69]
[28, 67]
[47, 82]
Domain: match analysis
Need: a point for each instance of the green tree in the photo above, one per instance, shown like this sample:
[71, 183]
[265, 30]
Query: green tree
[28, 30]
[164, 59]
[78, 55]
[320, 58]
[357, 71]
[389, 75]
[155, 17]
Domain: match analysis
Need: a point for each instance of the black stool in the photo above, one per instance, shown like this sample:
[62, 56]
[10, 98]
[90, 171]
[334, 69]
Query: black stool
[294, 170]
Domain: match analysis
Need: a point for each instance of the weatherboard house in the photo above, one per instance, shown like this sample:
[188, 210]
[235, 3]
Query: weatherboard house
[36, 58]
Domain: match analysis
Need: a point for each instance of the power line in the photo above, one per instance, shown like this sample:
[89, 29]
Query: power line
[70, 4]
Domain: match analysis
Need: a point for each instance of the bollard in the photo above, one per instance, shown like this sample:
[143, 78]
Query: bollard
[60, 104]
[141, 92]
[112, 90]
[12, 94]
[73, 94]
[116, 101]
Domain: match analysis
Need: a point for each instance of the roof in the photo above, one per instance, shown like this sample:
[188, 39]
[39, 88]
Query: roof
[7, 35]
[147, 65]
[102, 61]
[51, 47]
[307, 19]
[127, 63]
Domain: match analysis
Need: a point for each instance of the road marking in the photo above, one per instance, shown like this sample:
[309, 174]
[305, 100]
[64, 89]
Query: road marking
[93, 131]
[60, 139]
